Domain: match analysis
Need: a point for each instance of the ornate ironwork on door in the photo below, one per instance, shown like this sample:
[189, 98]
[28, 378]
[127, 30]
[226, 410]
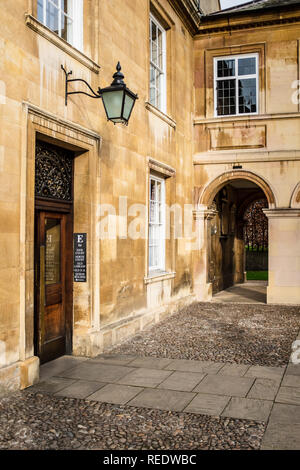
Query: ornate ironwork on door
[53, 172]
[256, 226]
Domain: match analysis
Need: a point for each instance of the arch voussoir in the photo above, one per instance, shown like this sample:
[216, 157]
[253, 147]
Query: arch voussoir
[211, 189]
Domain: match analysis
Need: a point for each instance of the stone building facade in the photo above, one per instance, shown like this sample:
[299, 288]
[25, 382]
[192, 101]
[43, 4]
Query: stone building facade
[65, 170]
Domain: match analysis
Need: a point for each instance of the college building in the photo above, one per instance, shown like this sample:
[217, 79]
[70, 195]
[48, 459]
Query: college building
[118, 211]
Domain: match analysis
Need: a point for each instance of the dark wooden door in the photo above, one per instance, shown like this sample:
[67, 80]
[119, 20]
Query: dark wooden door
[52, 277]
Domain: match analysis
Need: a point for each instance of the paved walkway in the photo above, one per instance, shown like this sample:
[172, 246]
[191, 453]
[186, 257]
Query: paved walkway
[251, 292]
[263, 394]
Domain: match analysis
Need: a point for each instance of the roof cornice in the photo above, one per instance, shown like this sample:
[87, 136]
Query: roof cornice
[190, 13]
[215, 24]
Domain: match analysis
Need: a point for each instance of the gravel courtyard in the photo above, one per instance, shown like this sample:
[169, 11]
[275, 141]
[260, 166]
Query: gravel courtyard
[243, 334]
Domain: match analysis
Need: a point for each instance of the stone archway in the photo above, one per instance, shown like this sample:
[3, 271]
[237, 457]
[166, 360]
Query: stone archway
[295, 200]
[206, 216]
[208, 193]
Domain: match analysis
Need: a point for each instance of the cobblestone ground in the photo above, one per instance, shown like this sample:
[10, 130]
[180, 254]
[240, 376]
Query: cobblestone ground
[40, 421]
[249, 334]
[236, 333]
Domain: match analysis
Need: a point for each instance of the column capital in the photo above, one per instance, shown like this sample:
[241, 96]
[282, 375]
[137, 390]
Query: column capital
[281, 213]
[204, 214]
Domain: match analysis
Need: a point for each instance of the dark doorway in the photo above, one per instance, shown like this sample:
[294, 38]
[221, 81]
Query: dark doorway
[53, 251]
[229, 229]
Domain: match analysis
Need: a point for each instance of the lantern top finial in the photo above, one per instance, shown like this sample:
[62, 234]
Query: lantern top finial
[118, 76]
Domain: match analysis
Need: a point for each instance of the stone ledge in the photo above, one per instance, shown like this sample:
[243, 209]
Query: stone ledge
[160, 114]
[250, 117]
[158, 277]
[46, 33]
[245, 156]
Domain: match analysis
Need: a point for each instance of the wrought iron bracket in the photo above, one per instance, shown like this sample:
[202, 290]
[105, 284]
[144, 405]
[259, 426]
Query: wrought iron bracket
[69, 80]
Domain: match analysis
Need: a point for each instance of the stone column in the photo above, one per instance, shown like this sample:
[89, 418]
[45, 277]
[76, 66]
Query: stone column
[284, 256]
[202, 287]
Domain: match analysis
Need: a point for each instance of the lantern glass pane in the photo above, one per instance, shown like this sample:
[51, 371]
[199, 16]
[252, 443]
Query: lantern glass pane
[129, 102]
[112, 101]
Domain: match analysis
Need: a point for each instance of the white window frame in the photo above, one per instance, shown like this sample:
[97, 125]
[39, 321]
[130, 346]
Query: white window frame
[162, 227]
[162, 106]
[236, 77]
[75, 13]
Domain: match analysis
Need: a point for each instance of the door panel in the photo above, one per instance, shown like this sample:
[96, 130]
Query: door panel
[51, 284]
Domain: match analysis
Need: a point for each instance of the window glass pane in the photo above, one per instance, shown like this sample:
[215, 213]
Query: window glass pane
[52, 17]
[152, 212]
[152, 85]
[155, 256]
[247, 96]
[152, 190]
[158, 88]
[154, 52]
[156, 224]
[150, 257]
[158, 191]
[226, 97]
[66, 24]
[152, 96]
[247, 66]
[153, 31]
[160, 210]
[226, 68]
[160, 49]
[40, 11]
[52, 259]
[67, 20]
[157, 65]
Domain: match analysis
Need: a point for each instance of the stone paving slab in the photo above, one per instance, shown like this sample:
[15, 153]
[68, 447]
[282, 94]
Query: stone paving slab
[151, 362]
[53, 384]
[116, 394]
[186, 365]
[264, 389]
[238, 370]
[225, 385]
[248, 408]
[263, 372]
[293, 369]
[281, 437]
[162, 399]
[115, 359]
[97, 372]
[145, 377]
[182, 381]
[59, 365]
[288, 395]
[283, 431]
[291, 381]
[285, 414]
[207, 404]
[80, 389]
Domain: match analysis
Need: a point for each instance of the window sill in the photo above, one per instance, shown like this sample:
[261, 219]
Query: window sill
[39, 28]
[160, 114]
[157, 276]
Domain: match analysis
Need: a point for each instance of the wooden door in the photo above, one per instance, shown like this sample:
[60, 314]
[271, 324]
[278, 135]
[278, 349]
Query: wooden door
[52, 274]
